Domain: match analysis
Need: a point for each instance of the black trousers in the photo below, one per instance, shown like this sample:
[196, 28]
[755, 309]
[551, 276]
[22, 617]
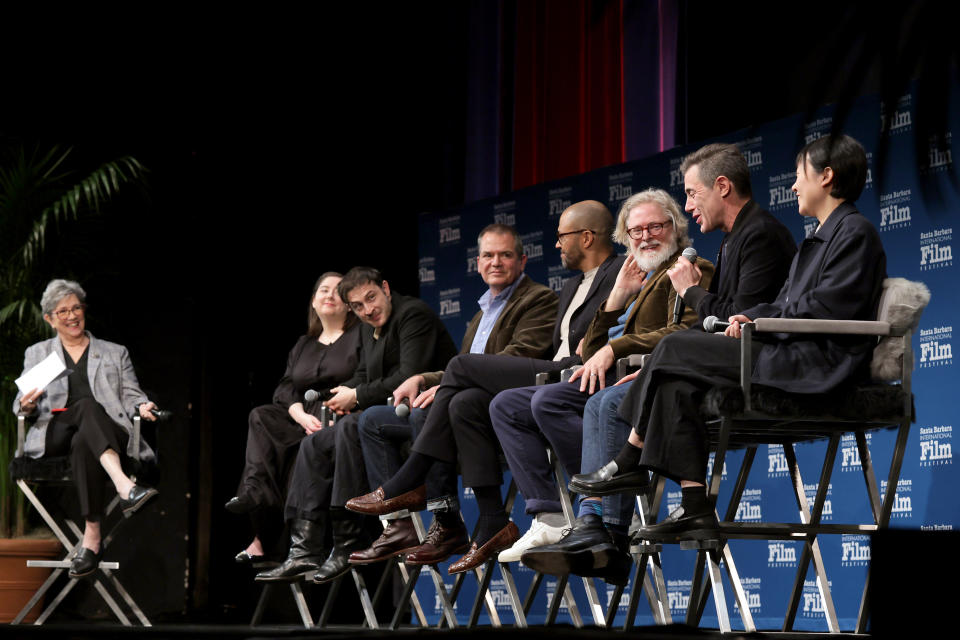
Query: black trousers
[459, 418]
[664, 402]
[328, 471]
[84, 431]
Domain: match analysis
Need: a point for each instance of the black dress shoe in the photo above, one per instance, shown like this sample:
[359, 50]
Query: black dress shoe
[585, 548]
[137, 497]
[245, 558]
[239, 506]
[84, 563]
[306, 553]
[682, 526]
[609, 480]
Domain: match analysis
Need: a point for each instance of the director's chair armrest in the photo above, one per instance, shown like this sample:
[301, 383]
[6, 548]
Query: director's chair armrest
[632, 361]
[809, 325]
[21, 434]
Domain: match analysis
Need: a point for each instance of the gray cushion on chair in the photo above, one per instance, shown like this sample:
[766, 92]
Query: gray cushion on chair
[901, 304]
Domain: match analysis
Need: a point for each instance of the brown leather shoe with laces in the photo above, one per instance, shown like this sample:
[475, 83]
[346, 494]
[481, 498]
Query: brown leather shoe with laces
[440, 543]
[400, 536]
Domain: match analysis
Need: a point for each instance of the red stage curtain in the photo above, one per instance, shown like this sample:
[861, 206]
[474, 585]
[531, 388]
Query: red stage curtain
[568, 108]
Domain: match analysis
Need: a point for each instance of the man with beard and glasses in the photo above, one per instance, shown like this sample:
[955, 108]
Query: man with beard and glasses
[637, 314]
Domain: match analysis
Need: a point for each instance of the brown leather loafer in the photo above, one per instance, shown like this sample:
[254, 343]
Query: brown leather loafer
[440, 543]
[375, 504]
[475, 557]
[400, 536]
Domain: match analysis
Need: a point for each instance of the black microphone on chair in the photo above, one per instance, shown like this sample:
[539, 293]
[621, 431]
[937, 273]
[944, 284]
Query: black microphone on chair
[713, 324]
[690, 254]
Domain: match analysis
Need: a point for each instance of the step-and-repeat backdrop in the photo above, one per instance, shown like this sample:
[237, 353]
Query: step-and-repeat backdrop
[911, 198]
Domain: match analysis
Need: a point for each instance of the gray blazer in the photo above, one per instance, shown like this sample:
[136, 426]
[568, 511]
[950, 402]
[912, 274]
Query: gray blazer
[112, 381]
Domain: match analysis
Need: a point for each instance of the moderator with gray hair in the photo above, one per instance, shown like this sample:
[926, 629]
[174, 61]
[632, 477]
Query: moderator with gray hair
[670, 209]
[57, 290]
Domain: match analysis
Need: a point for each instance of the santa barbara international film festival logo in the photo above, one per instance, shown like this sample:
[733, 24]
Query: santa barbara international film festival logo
[505, 212]
[723, 472]
[782, 196]
[749, 508]
[751, 591]
[936, 250]
[557, 276]
[936, 347]
[849, 453]
[826, 513]
[428, 270]
[854, 550]
[895, 210]
[812, 606]
[533, 245]
[449, 229]
[781, 554]
[816, 129]
[450, 302]
[624, 601]
[473, 269]
[939, 155]
[752, 150]
[899, 118]
[437, 605]
[902, 502]
[620, 187]
[678, 595]
[776, 462]
[936, 448]
[558, 200]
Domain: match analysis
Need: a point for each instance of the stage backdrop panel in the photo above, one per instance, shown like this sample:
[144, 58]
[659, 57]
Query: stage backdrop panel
[909, 199]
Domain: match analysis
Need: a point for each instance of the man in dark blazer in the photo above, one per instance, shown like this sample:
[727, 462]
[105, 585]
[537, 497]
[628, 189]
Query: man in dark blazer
[471, 380]
[400, 336]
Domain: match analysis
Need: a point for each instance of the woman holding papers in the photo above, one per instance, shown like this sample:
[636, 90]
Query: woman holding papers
[86, 414]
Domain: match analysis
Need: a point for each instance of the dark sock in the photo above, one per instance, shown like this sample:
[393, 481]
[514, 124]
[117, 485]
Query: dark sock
[411, 475]
[694, 499]
[493, 517]
[448, 519]
[628, 458]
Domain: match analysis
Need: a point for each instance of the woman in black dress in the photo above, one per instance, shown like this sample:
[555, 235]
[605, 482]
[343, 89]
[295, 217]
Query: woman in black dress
[323, 358]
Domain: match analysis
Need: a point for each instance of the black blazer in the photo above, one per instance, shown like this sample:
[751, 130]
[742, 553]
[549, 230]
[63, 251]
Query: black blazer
[413, 340]
[583, 316]
[758, 253]
[837, 274]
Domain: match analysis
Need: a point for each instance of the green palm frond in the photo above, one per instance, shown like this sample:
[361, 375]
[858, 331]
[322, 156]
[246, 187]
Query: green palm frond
[88, 194]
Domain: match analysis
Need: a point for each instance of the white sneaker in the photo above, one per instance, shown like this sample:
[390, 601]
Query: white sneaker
[539, 534]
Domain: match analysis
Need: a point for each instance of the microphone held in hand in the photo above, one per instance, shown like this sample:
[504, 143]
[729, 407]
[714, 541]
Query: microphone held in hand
[690, 254]
[403, 409]
[713, 324]
[162, 414]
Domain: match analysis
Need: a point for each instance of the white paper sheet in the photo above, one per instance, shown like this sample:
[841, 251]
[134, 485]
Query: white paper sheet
[48, 370]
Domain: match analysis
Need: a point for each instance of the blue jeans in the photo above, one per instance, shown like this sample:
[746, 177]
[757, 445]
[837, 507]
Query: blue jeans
[604, 433]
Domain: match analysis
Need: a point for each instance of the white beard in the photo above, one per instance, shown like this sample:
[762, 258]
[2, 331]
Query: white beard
[651, 262]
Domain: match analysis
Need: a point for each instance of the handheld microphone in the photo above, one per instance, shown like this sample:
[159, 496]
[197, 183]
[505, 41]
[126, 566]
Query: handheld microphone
[310, 395]
[162, 414]
[690, 254]
[403, 409]
[713, 324]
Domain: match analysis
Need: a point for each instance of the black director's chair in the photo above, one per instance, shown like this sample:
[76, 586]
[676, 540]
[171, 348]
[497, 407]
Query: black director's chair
[747, 416]
[53, 471]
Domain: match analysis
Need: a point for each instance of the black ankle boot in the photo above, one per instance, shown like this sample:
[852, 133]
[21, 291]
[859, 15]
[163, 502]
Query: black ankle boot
[306, 552]
[348, 536]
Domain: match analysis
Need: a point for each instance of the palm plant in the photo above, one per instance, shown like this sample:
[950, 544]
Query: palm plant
[39, 194]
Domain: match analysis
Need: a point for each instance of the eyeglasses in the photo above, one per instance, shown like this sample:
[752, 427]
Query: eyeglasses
[654, 230]
[76, 310]
[567, 233]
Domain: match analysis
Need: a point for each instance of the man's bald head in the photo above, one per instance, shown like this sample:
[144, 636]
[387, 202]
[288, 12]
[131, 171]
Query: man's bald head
[584, 235]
